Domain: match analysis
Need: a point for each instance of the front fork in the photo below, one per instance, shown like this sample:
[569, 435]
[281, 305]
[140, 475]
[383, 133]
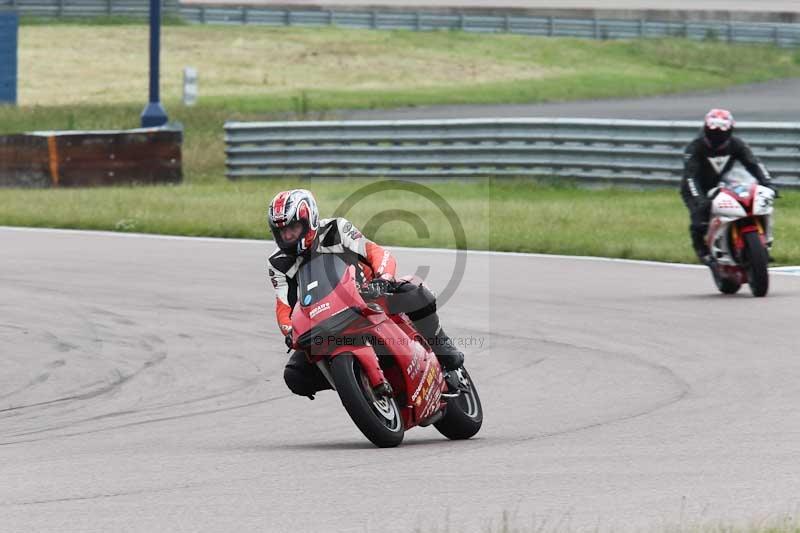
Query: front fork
[736, 233]
[325, 367]
[755, 224]
[365, 355]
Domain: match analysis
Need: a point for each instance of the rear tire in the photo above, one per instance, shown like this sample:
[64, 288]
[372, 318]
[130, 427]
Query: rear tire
[757, 261]
[463, 415]
[725, 285]
[378, 418]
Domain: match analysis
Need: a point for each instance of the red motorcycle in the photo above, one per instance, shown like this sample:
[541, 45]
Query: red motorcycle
[387, 377]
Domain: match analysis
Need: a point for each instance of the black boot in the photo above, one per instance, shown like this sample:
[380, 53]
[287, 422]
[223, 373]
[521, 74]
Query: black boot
[449, 356]
[701, 248]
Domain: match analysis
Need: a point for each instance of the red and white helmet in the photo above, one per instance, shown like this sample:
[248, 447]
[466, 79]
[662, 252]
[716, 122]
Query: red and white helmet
[297, 205]
[718, 128]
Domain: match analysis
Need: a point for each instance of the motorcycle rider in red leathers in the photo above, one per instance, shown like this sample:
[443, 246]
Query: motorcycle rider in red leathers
[706, 159]
[293, 219]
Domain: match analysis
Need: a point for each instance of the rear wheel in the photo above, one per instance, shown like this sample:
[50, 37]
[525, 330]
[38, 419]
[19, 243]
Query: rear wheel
[757, 261]
[725, 285]
[377, 416]
[463, 415]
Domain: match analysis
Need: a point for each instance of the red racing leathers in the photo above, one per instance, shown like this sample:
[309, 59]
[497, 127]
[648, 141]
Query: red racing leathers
[336, 235]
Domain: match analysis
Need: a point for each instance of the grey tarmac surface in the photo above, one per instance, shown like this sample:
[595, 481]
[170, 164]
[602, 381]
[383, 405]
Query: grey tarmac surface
[773, 101]
[141, 390]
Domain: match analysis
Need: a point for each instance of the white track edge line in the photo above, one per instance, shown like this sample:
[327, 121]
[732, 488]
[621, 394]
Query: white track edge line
[787, 270]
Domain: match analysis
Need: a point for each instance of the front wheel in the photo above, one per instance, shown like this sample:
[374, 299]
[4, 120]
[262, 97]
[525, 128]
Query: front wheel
[378, 417]
[463, 415]
[757, 260]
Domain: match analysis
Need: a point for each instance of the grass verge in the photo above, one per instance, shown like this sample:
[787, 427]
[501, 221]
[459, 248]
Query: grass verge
[262, 73]
[108, 64]
[518, 216]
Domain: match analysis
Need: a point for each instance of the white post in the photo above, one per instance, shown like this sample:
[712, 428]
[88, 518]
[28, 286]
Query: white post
[189, 86]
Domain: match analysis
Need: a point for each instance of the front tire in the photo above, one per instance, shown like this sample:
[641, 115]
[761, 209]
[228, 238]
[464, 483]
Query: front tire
[378, 418]
[757, 262]
[463, 415]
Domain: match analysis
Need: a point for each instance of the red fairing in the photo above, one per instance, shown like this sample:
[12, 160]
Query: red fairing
[303, 319]
[416, 378]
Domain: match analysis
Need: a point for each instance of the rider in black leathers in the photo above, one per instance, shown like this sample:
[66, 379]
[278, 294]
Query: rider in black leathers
[706, 159]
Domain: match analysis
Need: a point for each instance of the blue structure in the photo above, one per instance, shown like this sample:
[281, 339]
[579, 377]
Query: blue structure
[9, 22]
[154, 114]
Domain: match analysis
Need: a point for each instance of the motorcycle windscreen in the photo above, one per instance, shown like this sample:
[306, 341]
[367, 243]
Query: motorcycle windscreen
[319, 276]
[738, 179]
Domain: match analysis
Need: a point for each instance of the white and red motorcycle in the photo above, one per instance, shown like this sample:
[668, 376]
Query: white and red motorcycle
[740, 232]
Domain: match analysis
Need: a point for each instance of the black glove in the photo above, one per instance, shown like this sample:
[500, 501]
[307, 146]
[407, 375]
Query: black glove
[288, 340]
[377, 287]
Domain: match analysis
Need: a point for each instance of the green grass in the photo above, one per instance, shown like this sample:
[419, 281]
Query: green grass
[260, 73]
[519, 216]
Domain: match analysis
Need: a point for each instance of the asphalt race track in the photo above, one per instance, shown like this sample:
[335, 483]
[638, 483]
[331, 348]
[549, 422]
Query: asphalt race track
[142, 390]
[774, 101]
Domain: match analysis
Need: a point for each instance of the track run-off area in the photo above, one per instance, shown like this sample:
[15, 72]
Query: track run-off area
[141, 390]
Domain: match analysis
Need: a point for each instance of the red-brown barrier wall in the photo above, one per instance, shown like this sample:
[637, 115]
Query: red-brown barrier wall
[89, 159]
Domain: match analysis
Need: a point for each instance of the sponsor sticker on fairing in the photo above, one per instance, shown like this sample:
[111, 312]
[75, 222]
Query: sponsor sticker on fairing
[421, 383]
[413, 367]
[384, 261]
[318, 309]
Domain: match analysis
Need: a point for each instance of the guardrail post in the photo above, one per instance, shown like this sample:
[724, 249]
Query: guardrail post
[596, 28]
[776, 36]
[551, 26]
[373, 21]
[507, 24]
[462, 22]
[641, 28]
[60, 8]
[330, 17]
[245, 14]
[109, 7]
[203, 15]
[417, 21]
[730, 32]
[287, 18]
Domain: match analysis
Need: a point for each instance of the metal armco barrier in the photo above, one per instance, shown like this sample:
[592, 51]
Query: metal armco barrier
[617, 150]
[87, 8]
[88, 159]
[780, 34]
